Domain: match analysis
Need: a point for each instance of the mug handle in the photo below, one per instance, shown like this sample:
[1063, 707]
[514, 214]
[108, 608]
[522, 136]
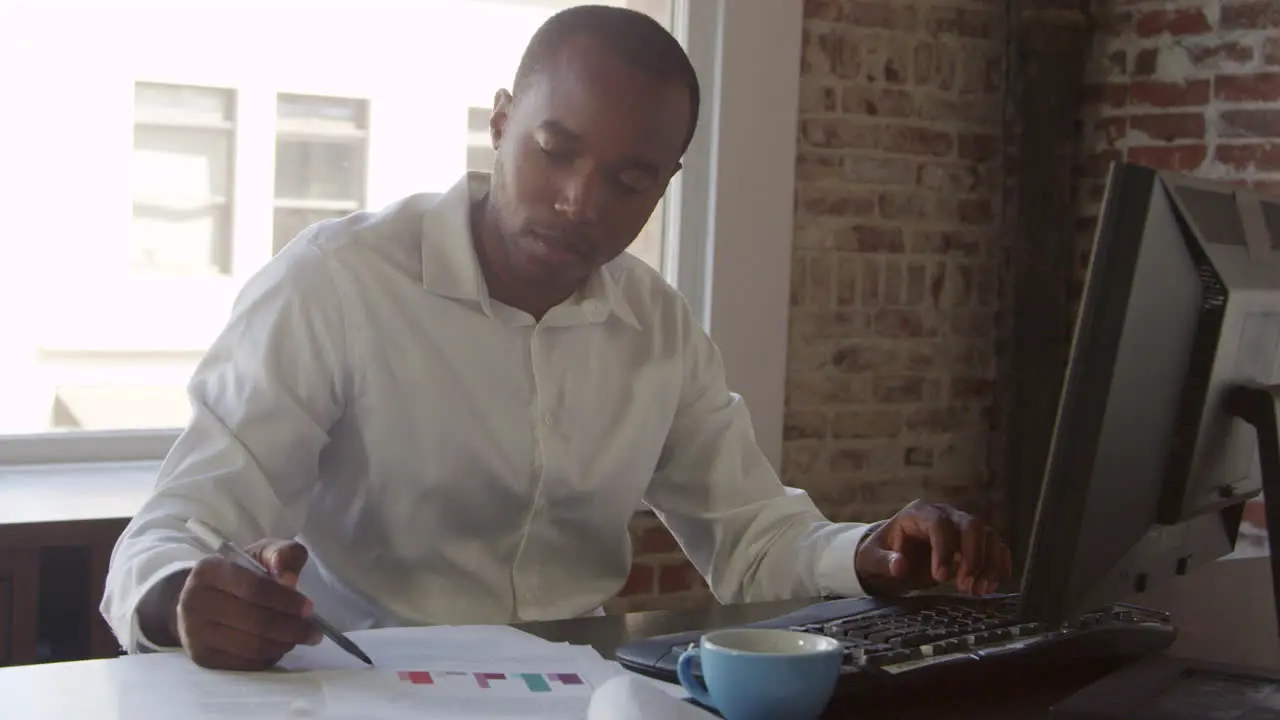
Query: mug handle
[691, 684]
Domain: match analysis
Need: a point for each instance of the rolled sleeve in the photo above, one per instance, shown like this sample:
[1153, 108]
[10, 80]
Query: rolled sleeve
[749, 535]
[263, 400]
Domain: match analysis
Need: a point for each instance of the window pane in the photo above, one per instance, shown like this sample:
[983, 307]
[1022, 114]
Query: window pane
[290, 223]
[179, 238]
[205, 156]
[319, 170]
[180, 165]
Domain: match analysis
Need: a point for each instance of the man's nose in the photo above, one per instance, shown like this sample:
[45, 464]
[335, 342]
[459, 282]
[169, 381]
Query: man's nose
[579, 198]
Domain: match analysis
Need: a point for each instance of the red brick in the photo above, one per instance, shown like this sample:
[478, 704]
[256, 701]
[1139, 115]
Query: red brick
[898, 389]
[823, 9]
[1260, 87]
[1098, 164]
[1175, 158]
[818, 97]
[1111, 131]
[907, 206]
[1118, 62]
[836, 133]
[1145, 62]
[865, 357]
[1169, 94]
[1250, 14]
[970, 388]
[1178, 21]
[879, 169]
[950, 178]
[1271, 51]
[869, 239]
[837, 200]
[1170, 126]
[962, 22]
[817, 166]
[935, 65]
[804, 425]
[881, 14]
[975, 211]
[978, 148]
[866, 424]
[640, 581]
[1215, 55]
[910, 140]
[904, 323]
[960, 243]
[1114, 95]
[933, 419]
[877, 102]
[1249, 123]
[847, 460]
[656, 540]
[1263, 157]
[678, 578]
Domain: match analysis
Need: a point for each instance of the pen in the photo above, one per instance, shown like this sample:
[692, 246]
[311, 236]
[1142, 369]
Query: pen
[224, 547]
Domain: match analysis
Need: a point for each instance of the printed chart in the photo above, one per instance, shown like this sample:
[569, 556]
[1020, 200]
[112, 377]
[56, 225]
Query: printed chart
[505, 683]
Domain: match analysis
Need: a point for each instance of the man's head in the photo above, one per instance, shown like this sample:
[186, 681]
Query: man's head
[603, 106]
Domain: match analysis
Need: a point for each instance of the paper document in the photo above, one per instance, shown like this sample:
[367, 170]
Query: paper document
[413, 648]
[460, 672]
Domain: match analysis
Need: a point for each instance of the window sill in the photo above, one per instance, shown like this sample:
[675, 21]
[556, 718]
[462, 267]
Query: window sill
[74, 492]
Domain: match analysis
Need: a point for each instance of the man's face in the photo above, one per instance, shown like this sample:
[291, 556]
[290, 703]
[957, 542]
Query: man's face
[584, 154]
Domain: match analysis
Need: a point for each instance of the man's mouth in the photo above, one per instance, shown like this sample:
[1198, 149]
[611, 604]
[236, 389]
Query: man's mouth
[559, 243]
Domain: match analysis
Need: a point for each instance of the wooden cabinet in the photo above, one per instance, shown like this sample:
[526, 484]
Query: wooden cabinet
[19, 606]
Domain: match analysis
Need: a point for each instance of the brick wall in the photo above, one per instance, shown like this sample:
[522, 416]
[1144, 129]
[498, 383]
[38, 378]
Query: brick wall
[897, 252]
[894, 277]
[1190, 85]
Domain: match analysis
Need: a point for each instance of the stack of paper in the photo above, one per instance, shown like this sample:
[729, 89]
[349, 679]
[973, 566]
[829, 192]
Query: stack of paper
[459, 672]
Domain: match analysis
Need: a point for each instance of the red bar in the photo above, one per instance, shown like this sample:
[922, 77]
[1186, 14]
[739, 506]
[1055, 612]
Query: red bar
[482, 679]
[416, 677]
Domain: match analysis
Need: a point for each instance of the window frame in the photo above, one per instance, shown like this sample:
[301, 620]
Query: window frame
[731, 212]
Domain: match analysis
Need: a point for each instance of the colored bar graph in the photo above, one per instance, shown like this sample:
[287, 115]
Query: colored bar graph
[416, 678]
[455, 681]
[536, 682]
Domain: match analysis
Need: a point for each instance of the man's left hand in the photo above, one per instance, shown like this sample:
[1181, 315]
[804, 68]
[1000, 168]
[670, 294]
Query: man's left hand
[926, 545]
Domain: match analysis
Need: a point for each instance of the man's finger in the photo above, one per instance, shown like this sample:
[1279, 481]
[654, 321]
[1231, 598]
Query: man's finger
[226, 609]
[284, 558]
[973, 545]
[993, 568]
[247, 646]
[944, 541]
[884, 563]
[263, 592]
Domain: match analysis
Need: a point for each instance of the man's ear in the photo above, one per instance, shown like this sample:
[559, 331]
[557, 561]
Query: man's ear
[502, 101]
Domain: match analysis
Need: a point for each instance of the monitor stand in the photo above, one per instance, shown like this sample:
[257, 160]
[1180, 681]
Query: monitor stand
[1259, 405]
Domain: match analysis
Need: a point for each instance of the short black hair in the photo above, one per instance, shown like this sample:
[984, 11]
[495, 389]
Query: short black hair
[637, 38]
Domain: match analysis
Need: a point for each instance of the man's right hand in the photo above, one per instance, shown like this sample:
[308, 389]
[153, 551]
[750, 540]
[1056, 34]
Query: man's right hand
[228, 617]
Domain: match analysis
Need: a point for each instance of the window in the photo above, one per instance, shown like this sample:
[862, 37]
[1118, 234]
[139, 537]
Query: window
[205, 157]
[183, 139]
[96, 344]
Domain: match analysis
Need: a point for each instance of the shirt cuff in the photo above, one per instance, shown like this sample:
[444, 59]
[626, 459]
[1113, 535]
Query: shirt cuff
[835, 573]
[135, 640]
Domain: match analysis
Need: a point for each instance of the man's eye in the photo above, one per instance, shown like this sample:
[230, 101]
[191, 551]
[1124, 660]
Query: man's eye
[556, 154]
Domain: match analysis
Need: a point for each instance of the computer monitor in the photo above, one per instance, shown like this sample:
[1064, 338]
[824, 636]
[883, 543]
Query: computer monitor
[1167, 419]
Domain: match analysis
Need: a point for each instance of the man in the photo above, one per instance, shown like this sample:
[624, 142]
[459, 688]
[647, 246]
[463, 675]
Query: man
[448, 411]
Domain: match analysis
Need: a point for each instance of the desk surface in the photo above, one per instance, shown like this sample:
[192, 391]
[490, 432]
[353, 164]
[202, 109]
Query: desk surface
[1224, 610]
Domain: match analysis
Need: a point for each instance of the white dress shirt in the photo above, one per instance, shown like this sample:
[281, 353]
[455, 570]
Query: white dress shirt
[446, 458]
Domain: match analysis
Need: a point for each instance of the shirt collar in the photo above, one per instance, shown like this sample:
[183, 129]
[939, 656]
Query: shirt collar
[450, 267]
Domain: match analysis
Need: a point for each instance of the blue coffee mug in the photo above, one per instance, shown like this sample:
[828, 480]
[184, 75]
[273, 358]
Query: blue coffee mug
[758, 673]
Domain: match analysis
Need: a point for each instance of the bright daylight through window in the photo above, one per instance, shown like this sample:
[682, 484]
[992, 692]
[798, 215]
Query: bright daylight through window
[167, 149]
